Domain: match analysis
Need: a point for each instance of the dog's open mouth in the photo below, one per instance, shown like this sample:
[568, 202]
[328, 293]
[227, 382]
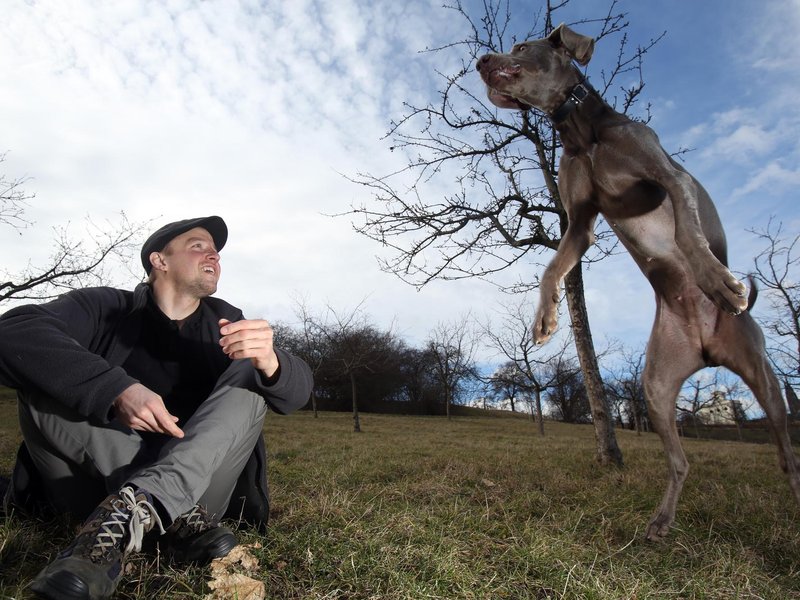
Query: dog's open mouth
[508, 72]
[499, 78]
[502, 75]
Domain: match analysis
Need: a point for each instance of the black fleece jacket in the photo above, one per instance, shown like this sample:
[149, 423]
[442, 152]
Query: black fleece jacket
[72, 349]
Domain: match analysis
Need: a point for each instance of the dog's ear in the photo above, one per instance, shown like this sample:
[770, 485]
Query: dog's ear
[579, 47]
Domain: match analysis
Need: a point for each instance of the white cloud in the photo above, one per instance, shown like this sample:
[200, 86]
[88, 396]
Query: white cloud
[182, 109]
[731, 135]
[773, 179]
[768, 45]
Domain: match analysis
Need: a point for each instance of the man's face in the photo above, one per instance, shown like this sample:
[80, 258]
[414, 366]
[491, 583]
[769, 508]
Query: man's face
[193, 263]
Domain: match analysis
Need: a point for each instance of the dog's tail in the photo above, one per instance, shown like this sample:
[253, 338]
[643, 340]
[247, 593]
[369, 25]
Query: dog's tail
[751, 297]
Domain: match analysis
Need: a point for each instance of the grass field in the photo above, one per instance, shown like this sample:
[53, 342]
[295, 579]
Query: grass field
[478, 508]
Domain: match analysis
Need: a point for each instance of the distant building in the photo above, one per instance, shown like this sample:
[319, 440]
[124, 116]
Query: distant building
[719, 411]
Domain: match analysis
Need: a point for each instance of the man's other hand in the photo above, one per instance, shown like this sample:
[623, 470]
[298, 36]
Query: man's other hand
[250, 338]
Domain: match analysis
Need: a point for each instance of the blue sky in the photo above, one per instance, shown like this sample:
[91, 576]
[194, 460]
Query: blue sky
[256, 111]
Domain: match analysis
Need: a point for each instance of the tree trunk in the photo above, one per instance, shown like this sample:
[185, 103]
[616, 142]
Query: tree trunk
[356, 420]
[447, 401]
[314, 403]
[539, 417]
[637, 417]
[608, 451]
[791, 400]
[736, 420]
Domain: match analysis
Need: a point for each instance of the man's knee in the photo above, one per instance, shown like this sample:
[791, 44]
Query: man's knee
[239, 406]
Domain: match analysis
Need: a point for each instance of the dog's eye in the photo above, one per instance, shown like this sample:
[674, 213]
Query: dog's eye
[520, 48]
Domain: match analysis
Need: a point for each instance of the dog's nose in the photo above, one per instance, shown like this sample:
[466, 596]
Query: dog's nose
[482, 62]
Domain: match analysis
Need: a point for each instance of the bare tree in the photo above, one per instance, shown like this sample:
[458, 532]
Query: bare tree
[73, 263]
[626, 386]
[730, 387]
[452, 347]
[310, 343]
[354, 344]
[301, 342]
[13, 201]
[505, 204]
[777, 269]
[699, 396]
[419, 382]
[568, 395]
[791, 399]
[508, 383]
[511, 337]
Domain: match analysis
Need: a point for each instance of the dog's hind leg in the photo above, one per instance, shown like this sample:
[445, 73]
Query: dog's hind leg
[672, 356]
[741, 349]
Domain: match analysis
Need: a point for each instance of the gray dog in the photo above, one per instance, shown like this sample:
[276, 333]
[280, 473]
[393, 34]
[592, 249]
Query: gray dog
[616, 167]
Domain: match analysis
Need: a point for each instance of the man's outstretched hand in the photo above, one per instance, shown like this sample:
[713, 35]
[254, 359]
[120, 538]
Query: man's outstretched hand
[140, 408]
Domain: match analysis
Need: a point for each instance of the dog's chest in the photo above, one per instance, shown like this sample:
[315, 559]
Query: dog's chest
[628, 198]
[595, 177]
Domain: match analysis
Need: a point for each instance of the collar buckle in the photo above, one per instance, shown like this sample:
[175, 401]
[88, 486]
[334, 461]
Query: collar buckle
[576, 96]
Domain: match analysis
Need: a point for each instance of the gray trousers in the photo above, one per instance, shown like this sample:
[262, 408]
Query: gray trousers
[81, 461]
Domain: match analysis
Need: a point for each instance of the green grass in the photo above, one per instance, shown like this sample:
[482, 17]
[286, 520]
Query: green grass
[479, 508]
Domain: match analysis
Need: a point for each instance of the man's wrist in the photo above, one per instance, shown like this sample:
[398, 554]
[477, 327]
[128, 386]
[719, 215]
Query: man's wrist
[267, 379]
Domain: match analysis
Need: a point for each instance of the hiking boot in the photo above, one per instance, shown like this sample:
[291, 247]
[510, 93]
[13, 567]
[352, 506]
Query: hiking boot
[90, 568]
[195, 538]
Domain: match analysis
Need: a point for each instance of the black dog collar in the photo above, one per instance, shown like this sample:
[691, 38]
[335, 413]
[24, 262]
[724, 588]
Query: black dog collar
[573, 101]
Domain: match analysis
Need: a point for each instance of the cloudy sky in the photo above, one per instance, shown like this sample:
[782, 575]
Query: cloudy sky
[259, 111]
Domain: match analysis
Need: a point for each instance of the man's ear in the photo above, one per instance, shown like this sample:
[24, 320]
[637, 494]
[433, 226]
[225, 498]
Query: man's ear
[157, 261]
[579, 47]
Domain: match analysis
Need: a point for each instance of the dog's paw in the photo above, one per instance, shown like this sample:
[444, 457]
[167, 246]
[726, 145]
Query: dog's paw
[544, 326]
[540, 337]
[658, 529]
[727, 292]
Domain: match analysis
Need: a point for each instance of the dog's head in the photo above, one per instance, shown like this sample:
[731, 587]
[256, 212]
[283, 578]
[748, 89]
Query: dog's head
[536, 73]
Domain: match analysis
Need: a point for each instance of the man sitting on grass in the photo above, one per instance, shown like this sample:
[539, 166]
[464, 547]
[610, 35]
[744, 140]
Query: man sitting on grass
[156, 397]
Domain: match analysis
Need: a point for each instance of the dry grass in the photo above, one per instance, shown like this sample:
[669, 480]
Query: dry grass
[480, 508]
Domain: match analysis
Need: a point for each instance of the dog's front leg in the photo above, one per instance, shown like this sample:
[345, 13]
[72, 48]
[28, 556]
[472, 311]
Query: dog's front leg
[714, 278]
[576, 240]
[647, 160]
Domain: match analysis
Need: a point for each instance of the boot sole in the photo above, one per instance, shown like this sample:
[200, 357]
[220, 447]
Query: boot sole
[202, 551]
[64, 585]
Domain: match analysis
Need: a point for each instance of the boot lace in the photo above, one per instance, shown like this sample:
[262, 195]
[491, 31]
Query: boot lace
[128, 515]
[196, 520]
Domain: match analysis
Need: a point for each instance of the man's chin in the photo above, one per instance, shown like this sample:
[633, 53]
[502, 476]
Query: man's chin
[204, 289]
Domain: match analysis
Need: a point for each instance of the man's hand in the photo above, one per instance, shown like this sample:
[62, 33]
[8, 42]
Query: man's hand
[140, 408]
[250, 339]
